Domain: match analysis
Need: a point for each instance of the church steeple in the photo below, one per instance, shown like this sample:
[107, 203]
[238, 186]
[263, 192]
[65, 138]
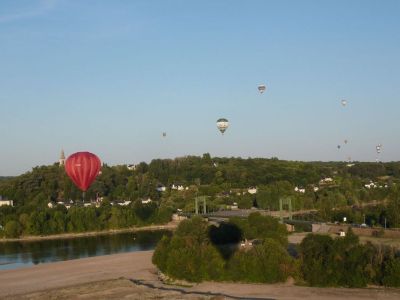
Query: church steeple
[62, 158]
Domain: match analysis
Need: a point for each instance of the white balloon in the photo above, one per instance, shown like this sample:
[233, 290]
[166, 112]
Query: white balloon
[262, 88]
[222, 124]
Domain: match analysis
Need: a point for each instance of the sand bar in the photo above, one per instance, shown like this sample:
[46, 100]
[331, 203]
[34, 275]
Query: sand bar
[132, 276]
[72, 272]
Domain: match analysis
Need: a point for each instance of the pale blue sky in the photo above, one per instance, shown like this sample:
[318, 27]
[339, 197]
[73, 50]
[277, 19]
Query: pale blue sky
[110, 76]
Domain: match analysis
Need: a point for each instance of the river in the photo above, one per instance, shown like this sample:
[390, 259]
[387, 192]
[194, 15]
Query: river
[22, 254]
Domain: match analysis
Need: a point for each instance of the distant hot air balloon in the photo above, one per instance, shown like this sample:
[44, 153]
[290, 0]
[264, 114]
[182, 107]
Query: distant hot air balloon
[344, 102]
[378, 148]
[222, 124]
[262, 88]
[338, 146]
[82, 168]
[345, 141]
[164, 134]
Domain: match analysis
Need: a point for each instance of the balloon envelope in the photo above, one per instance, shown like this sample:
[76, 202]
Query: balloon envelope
[262, 88]
[222, 124]
[82, 168]
[344, 102]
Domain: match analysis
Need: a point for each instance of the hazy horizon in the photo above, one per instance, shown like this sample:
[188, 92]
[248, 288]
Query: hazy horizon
[110, 77]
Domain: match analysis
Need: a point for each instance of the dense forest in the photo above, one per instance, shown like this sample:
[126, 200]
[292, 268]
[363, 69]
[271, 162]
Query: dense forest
[199, 252]
[325, 186]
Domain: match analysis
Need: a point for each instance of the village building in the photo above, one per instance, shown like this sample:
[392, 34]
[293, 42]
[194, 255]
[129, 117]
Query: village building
[125, 203]
[178, 187]
[326, 180]
[252, 190]
[131, 167]
[61, 161]
[161, 188]
[147, 201]
[6, 202]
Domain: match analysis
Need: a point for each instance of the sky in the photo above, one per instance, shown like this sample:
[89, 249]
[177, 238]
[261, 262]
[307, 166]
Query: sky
[110, 77]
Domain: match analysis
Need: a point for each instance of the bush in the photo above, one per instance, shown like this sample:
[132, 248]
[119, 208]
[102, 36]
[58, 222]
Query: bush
[189, 255]
[12, 229]
[195, 252]
[317, 260]
[160, 256]
[267, 263]
[392, 273]
[339, 262]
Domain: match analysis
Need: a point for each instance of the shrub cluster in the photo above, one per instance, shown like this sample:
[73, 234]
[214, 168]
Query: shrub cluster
[198, 252]
[345, 262]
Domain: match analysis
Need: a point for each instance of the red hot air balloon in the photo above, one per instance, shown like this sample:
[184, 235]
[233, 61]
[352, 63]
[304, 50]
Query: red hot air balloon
[82, 168]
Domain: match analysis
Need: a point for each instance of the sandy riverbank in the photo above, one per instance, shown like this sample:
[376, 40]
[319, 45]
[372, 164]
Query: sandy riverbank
[132, 276]
[32, 238]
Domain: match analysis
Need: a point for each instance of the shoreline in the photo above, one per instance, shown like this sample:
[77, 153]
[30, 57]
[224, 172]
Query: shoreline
[33, 238]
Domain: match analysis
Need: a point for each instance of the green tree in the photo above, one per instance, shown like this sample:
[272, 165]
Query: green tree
[12, 229]
[317, 253]
[267, 263]
[160, 256]
[392, 272]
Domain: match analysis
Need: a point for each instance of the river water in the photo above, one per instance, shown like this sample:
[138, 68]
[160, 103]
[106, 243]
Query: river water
[21, 254]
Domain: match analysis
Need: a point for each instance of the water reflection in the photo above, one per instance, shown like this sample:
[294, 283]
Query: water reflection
[18, 254]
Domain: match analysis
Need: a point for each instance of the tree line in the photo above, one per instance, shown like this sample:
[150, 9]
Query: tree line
[47, 221]
[197, 252]
[223, 180]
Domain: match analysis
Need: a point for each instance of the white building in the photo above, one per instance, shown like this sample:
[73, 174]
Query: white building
[50, 205]
[234, 206]
[61, 161]
[161, 188]
[326, 180]
[131, 167]
[147, 201]
[252, 190]
[7, 202]
[371, 185]
[125, 203]
[178, 187]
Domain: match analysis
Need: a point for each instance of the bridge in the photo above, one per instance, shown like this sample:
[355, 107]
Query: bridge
[244, 213]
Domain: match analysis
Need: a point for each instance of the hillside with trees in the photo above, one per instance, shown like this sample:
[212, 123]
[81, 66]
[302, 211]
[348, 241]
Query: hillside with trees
[224, 180]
